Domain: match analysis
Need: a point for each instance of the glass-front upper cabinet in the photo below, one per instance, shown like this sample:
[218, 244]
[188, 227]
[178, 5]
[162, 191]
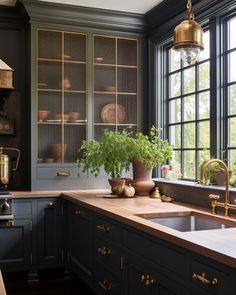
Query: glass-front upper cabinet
[115, 77]
[61, 95]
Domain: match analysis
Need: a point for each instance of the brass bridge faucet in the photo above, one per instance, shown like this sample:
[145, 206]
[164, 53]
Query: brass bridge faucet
[226, 205]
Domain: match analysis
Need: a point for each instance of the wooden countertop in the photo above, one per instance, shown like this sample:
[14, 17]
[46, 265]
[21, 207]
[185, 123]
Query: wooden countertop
[2, 287]
[219, 245]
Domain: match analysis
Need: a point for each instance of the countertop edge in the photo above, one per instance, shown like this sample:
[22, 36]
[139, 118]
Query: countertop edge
[2, 287]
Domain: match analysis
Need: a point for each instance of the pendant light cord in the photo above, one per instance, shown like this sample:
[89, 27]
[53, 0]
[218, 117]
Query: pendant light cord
[189, 10]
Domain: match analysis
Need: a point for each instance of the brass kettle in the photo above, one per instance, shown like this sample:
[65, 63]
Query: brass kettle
[5, 165]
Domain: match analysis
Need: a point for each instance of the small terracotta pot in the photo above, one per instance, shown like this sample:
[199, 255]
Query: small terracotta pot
[58, 151]
[42, 115]
[115, 182]
[219, 176]
[142, 179]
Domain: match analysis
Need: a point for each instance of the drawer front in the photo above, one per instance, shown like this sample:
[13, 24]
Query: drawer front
[108, 254]
[211, 278]
[107, 230]
[169, 258]
[58, 173]
[22, 208]
[105, 281]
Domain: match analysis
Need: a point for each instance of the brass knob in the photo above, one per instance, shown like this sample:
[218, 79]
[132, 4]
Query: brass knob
[77, 212]
[9, 223]
[103, 227]
[203, 279]
[214, 197]
[148, 280]
[63, 173]
[50, 205]
[105, 285]
[104, 251]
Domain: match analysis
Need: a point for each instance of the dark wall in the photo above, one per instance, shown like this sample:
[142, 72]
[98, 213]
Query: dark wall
[12, 52]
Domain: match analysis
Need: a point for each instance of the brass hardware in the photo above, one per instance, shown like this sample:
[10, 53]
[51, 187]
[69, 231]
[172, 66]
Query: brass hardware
[103, 227]
[9, 223]
[63, 173]
[148, 280]
[104, 251]
[188, 37]
[105, 285]
[77, 212]
[214, 204]
[50, 205]
[214, 197]
[203, 279]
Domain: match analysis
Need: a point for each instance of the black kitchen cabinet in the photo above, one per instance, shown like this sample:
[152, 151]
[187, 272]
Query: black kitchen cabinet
[80, 240]
[49, 233]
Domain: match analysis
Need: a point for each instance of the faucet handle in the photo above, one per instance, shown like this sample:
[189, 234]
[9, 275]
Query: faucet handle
[214, 196]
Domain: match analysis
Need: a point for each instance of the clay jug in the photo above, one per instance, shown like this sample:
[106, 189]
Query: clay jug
[142, 179]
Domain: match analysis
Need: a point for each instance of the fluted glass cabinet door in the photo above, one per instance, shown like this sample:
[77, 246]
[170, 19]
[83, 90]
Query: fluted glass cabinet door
[61, 95]
[115, 87]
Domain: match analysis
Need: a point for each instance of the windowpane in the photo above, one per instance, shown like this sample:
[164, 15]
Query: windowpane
[232, 157]
[189, 80]
[175, 110]
[232, 35]
[232, 132]
[204, 134]
[189, 108]
[175, 136]
[189, 135]
[174, 60]
[204, 76]
[189, 164]
[175, 85]
[232, 66]
[204, 105]
[205, 53]
[232, 100]
[177, 157]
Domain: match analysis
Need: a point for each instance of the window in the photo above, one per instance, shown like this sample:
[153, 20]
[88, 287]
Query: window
[229, 89]
[188, 109]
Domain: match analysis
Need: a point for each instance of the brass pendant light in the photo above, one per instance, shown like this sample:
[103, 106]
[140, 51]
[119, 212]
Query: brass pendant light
[188, 37]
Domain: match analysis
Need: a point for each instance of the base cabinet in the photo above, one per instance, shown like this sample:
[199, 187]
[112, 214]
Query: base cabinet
[80, 242]
[15, 245]
[49, 233]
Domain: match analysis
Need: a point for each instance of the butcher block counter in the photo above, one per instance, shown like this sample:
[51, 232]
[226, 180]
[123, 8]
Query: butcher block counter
[2, 288]
[218, 244]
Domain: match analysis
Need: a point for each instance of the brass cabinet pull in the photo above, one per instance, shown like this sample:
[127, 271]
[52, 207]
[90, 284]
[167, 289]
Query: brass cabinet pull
[50, 205]
[103, 227]
[105, 285]
[148, 280]
[104, 251]
[203, 279]
[63, 173]
[77, 212]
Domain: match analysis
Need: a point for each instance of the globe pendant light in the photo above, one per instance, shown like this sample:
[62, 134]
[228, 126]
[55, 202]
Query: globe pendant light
[188, 37]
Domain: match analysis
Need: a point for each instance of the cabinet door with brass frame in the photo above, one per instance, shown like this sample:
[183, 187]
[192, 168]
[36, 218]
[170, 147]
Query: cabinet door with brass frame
[115, 84]
[61, 95]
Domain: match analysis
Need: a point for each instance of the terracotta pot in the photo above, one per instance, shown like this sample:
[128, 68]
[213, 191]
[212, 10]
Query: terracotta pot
[115, 182]
[58, 151]
[142, 179]
[219, 176]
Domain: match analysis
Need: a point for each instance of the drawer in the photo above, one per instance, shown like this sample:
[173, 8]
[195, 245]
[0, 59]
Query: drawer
[58, 173]
[106, 229]
[169, 258]
[22, 208]
[105, 281]
[108, 254]
[211, 277]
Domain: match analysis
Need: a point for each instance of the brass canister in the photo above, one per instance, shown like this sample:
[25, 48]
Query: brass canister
[6, 165]
[4, 169]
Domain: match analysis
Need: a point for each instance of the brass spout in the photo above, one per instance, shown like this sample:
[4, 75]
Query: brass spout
[226, 205]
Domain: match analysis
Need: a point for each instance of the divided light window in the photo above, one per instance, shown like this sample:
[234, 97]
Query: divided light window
[229, 56]
[188, 108]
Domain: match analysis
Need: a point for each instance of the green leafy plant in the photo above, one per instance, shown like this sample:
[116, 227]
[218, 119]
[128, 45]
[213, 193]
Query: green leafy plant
[110, 153]
[116, 150]
[150, 149]
[233, 178]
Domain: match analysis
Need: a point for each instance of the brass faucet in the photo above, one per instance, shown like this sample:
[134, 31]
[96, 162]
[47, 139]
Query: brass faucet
[226, 205]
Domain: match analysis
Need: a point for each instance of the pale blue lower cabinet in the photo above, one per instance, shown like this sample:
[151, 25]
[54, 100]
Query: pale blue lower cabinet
[80, 241]
[15, 245]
